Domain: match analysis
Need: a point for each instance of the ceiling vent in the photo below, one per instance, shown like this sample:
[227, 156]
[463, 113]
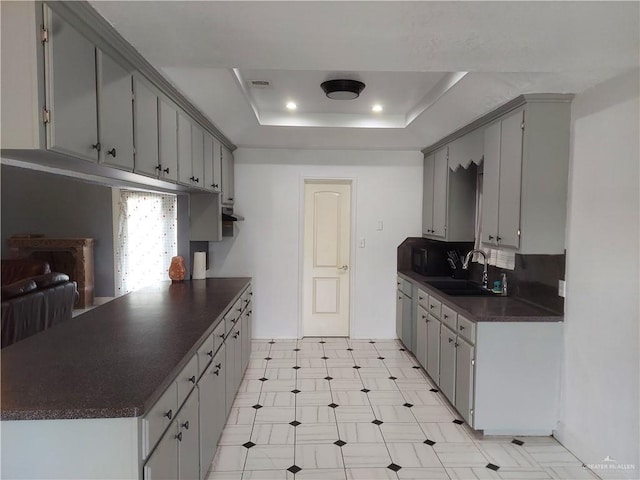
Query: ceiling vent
[260, 83]
[342, 89]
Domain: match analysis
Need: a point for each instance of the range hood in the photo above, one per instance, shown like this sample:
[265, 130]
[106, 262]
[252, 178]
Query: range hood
[229, 216]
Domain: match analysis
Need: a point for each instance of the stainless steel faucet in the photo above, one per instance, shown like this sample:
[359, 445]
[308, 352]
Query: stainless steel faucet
[467, 258]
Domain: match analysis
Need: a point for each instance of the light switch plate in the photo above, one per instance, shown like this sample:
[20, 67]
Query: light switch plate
[380, 226]
[361, 243]
[562, 288]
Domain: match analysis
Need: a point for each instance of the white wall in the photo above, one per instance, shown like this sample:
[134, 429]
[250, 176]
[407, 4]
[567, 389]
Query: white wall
[268, 184]
[600, 408]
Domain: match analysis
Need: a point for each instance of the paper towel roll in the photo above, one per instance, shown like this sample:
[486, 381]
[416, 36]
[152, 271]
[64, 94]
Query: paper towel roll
[199, 265]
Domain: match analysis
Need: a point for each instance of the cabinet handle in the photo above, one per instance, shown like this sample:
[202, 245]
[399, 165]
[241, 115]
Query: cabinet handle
[210, 352]
[215, 185]
[159, 167]
[169, 414]
[455, 344]
[234, 321]
[490, 237]
[451, 340]
[217, 372]
[432, 306]
[166, 170]
[112, 152]
[96, 146]
[219, 366]
[221, 335]
[423, 317]
[420, 298]
[236, 335]
[461, 327]
[498, 238]
[192, 178]
[179, 436]
[185, 425]
[239, 309]
[193, 379]
[230, 198]
[446, 316]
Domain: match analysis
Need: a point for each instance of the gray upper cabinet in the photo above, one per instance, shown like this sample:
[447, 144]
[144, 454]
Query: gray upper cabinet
[184, 149]
[525, 176]
[227, 167]
[502, 177]
[71, 100]
[168, 142]
[197, 156]
[115, 113]
[212, 165]
[448, 205]
[427, 195]
[146, 126]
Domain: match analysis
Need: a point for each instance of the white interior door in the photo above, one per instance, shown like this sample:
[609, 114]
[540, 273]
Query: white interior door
[327, 239]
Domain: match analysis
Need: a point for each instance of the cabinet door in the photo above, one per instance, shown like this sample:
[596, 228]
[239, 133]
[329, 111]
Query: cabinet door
[217, 165]
[440, 182]
[116, 115]
[491, 184]
[184, 149]
[427, 195]
[163, 463]
[70, 78]
[231, 343]
[212, 409]
[421, 336]
[227, 175]
[146, 126]
[407, 322]
[246, 336]
[197, 156]
[168, 142]
[448, 363]
[189, 440]
[399, 314]
[237, 357]
[510, 180]
[208, 162]
[464, 379]
[433, 348]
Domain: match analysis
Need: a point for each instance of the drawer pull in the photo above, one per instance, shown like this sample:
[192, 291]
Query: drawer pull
[166, 170]
[179, 436]
[210, 352]
[424, 317]
[451, 340]
[239, 309]
[185, 425]
[169, 414]
[193, 379]
[461, 327]
[446, 316]
[112, 152]
[420, 298]
[221, 335]
[432, 306]
[219, 366]
[455, 344]
[159, 167]
[217, 372]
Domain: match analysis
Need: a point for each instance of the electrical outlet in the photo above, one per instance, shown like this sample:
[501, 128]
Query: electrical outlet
[379, 227]
[362, 243]
[562, 288]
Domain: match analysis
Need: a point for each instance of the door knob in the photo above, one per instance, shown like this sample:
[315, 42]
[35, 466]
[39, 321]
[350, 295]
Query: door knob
[344, 267]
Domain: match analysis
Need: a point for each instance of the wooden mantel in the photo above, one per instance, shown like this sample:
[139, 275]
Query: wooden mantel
[81, 249]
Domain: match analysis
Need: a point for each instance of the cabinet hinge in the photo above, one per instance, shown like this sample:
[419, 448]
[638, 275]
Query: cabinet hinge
[522, 125]
[46, 117]
[44, 34]
[518, 232]
[471, 412]
[133, 97]
[134, 151]
[473, 362]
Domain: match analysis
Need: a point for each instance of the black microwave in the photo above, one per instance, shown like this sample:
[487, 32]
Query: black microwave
[430, 262]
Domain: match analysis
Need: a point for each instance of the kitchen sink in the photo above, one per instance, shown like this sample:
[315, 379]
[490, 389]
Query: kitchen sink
[460, 288]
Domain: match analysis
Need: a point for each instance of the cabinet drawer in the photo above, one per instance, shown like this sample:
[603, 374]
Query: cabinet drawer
[218, 336]
[449, 317]
[205, 354]
[467, 329]
[246, 297]
[232, 316]
[423, 299]
[158, 418]
[187, 379]
[435, 307]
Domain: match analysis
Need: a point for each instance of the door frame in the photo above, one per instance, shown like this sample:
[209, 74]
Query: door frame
[305, 179]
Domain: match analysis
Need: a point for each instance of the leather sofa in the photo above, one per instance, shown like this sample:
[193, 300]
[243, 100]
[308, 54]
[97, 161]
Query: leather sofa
[33, 299]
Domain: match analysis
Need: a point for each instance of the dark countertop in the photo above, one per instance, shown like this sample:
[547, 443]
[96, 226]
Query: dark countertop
[117, 359]
[487, 309]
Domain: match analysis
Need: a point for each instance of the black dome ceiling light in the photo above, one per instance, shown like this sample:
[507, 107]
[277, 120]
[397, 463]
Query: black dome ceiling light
[342, 89]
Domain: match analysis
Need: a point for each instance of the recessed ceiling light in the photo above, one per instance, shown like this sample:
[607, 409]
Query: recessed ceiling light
[291, 106]
[376, 108]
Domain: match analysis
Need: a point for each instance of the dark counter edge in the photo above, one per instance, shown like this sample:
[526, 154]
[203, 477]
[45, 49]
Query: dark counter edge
[124, 412]
[545, 315]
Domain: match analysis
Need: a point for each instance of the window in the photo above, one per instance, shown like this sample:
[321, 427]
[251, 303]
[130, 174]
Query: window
[146, 239]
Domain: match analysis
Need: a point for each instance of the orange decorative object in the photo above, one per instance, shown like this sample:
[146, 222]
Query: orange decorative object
[177, 270]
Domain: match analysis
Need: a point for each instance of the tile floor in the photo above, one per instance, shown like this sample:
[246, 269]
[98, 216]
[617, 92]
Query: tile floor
[335, 408]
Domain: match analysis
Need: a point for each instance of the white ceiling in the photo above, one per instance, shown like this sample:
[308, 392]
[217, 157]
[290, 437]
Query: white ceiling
[407, 53]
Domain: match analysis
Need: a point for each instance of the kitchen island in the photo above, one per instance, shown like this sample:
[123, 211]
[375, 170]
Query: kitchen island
[79, 400]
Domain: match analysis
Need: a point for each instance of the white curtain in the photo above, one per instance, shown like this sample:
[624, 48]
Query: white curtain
[146, 240]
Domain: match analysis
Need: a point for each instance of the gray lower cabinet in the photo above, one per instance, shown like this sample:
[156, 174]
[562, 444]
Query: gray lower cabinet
[247, 317]
[146, 126]
[433, 348]
[447, 380]
[189, 439]
[232, 343]
[71, 97]
[399, 298]
[163, 463]
[465, 352]
[212, 417]
[421, 335]
[115, 114]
